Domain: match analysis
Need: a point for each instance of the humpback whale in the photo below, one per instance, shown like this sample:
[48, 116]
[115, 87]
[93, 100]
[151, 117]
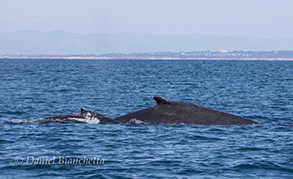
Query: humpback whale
[172, 112]
[164, 112]
[85, 116]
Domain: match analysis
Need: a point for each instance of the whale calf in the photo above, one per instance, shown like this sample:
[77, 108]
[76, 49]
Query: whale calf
[85, 116]
[172, 112]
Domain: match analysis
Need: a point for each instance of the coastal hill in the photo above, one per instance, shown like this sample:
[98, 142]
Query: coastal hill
[66, 43]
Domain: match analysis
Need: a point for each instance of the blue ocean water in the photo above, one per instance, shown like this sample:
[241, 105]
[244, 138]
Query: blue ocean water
[33, 89]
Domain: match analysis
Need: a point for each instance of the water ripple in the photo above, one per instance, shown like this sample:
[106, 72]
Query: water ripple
[258, 90]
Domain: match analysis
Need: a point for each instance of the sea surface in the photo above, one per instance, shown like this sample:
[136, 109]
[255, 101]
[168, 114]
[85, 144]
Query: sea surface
[33, 89]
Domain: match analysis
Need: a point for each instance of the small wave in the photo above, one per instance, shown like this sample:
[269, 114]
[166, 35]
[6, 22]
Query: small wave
[56, 120]
[198, 137]
[261, 165]
[6, 141]
[20, 121]
[249, 149]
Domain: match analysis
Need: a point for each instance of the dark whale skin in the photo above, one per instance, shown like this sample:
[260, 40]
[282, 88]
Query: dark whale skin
[172, 112]
[85, 116]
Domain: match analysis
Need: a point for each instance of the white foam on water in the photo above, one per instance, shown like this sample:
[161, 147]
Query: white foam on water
[136, 121]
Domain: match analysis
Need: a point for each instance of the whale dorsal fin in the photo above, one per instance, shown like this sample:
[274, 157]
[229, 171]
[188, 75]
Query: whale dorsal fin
[161, 100]
[83, 110]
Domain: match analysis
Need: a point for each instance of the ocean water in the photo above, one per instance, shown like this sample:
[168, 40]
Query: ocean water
[34, 89]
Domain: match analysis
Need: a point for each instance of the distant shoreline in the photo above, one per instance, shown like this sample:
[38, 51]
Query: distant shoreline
[146, 58]
[192, 55]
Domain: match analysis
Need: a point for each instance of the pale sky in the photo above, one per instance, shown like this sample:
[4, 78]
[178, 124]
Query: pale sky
[257, 18]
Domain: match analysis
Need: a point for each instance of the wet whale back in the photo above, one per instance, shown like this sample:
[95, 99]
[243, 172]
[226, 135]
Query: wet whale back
[85, 116]
[172, 112]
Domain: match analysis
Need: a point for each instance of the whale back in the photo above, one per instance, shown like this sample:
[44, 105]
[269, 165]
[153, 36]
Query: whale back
[172, 112]
[85, 116]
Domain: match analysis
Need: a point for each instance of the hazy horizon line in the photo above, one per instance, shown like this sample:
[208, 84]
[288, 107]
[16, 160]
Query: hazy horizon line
[145, 33]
